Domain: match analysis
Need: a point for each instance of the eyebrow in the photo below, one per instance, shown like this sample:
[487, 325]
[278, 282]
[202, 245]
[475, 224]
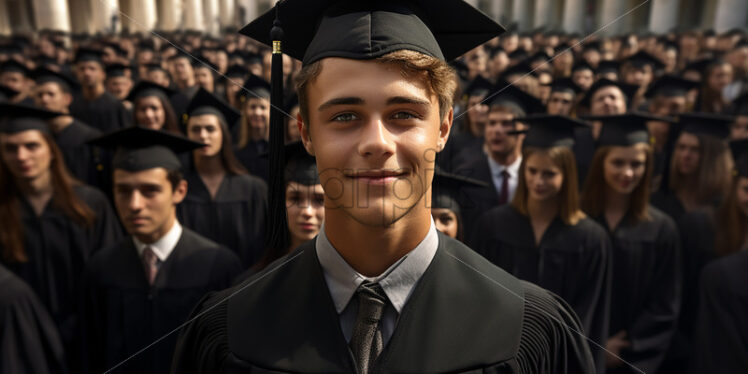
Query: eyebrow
[360, 101]
[407, 100]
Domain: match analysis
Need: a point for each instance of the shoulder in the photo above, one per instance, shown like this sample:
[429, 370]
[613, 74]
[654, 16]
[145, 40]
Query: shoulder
[250, 182]
[590, 227]
[91, 195]
[726, 274]
[195, 243]
[13, 290]
[504, 214]
[663, 221]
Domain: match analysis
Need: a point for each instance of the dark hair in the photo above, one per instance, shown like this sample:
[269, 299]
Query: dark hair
[731, 223]
[174, 177]
[228, 158]
[170, 119]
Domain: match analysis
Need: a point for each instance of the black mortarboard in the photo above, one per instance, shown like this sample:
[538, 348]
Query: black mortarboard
[699, 65]
[518, 54]
[641, 59]
[607, 66]
[13, 66]
[668, 45]
[11, 49]
[180, 54]
[628, 90]
[43, 75]
[739, 150]
[740, 105]
[301, 167]
[539, 56]
[561, 48]
[236, 70]
[7, 92]
[19, 117]
[206, 103]
[705, 124]
[548, 130]
[151, 66]
[253, 58]
[117, 70]
[670, 86]
[505, 94]
[591, 46]
[254, 87]
[118, 50]
[446, 189]
[478, 87]
[582, 65]
[625, 129]
[565, 85]
[313, 29]
[88, 54]
[147, 88]
[521, 68]
[146, 45]
[139, 148]
[203, 62]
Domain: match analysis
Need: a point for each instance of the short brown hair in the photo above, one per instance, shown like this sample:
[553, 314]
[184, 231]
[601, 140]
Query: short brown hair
[440, 77]
[568, 197]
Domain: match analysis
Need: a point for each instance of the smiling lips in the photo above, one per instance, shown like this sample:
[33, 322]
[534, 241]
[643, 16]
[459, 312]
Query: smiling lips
[377, 177]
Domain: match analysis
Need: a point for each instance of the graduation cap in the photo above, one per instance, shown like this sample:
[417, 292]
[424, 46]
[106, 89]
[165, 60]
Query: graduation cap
[563, 47]
[236, 70]
[43, 75]
[710, 124]
[641, 59]
[582, 65]
[147, 88]
[11, 49]
[180, 54]
[152, 66]
[88, 54]
[147, 45]
[118, 50]
[254, 87]
[629, 90]
[205, 102]
[607, 66]
[446, 189]
[13, 66]
[117, 70]
[510, 95]
[591, 46]
[539, 56]
[739, 150]
[518, 54]
[7, 92]
[478, 87]
[16, 118]
[201, 61]
[670, 86]
[301, 167]
[625, 129]
[139, 148]
[547, 131]
[565, 85]
[668, 45]
[699, 65]
[522, 68]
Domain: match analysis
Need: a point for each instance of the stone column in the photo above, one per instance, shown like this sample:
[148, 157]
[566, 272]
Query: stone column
[141, 15]
[227, 12]
[609, 11]
[544, 10]
[573, 16]
[499, 11]
[663, 15]
[101, 14]
[210, 16]
[51, 14]
[5, 28]
[169, 14]
[521, 13]
[730, 14]
[193, 15]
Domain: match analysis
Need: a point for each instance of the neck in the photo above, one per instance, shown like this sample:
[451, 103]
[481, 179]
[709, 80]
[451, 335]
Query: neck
[60, 123]
[504, 159]
[616, 202]
[295, 243]
[542, 210]
[93, 92]
[160, 233]
[185, 84]
[37, 187]
[371, 250]
[209, 165]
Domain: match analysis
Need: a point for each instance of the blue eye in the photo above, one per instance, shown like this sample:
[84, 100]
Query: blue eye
[403, 115]
[344, 117]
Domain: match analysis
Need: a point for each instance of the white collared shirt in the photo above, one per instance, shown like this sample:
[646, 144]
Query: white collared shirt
[164, 246]
[512, 169]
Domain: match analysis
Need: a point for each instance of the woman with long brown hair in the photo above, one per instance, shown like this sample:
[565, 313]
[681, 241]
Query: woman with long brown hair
[50, 224]
[544, 237]
[152, 108]
[223, 202]
[646, 250]
[253, 130]
[717, 75]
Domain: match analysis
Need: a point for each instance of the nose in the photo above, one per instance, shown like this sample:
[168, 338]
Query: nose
[306, 210]
[375, 140]
[628, 171]
[136, 201]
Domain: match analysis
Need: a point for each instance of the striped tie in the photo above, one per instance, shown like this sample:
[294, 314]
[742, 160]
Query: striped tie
[150, 263]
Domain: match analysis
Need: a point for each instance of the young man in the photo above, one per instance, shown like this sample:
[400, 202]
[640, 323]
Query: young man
[563, 97]
[95, 106]
[382, 291]
[15, 75]
[119, 82]
[145, 286]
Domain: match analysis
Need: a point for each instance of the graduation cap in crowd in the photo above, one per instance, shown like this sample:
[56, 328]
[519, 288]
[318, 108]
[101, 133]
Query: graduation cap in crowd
[670, 86]
[236, 70]
[505, 94]
[699, 65]
[668, 45]
[147, 45]
[582, 65]
[478, 87]
[607, 66]
[11, 49]
[547, 130]
[155, 66]
[13, 66]
[7, 92]
[84, 54]
[739, 150]
[522, 69]
[205, 102]
[44, 75]
[147, 89]
[118, 70]
[15, 118]
[254, 87]
[561, 48]
[139, 148]
[628, 90]
[641, 59]
[565, 85]
[518, 54]
[311, 31]
[708, 124]
[446, 190]
[180, 54]
[591, 46]
[625, 129]
[202, 62]
[117, 48]
[301, 167]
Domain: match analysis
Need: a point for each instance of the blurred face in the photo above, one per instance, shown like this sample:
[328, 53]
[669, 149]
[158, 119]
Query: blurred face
[638, 76]
[13, 80]
[498, 63]
[476, 61]
[497, 140]
[89, 73]
[607, 101]
[739, 128]
[374, 133]
[159, 77]
[687, 154]
[305, 206]
[51, 97]
[149, 112]
[293, 127]
[119, 86]
[477, 112]
[624, 167]
[510, 43]
[563, 61]
[182, 69]
[146, 202]
[26, 154]
[669, 106]
[232, 87]
[445, 221]
[560, 103]
[204, 78]
[720, 77]
[206, 129]
[543, 178]
[583, 78]
[257, 112]
[742, 195]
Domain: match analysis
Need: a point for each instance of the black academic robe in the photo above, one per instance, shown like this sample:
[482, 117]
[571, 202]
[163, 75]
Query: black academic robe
[668, 203]
[29, 341]
[647, 287]
[105, 113]
[463, 316]
[87, 163]
[584, 150]
[574, 262]
[124, 314]
[58, 249]
[181, 100]
[721, 344]
[254, 158]
[474, 201]
[458, 143]
[235, 218]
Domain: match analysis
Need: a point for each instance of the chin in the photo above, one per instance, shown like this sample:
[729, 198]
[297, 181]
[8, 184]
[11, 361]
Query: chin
[379, 216]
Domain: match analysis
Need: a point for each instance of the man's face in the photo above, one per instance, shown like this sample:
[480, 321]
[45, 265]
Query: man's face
[608, 101]
[374, 133]
[560, 103]
[51, 97]
[739, 128]
[638, 76]
[668, 106]
[182, 69]
[159, 77]
[119, 87]
[89, 73]
[146, 202]
[204, 78]
[497, 140]
[14, 80]
[583, 78]
[477, 112]
[476, 61]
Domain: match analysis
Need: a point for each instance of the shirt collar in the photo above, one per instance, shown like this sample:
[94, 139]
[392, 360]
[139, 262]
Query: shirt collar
[164, 246]
[397, 281]
[497, 168]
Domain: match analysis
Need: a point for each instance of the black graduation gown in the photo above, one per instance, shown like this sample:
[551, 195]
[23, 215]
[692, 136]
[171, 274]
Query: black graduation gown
[584, 150]
[574, 262]
[124, 314]
[29, 342]
[464, 316]
[58, 250]
[721, 345]
[235, 218]
[458, 143]
[105, 113]
[87, 163]
[647, 288]
[181, 100]
[474, 201]
[668, 203]
[254, 158]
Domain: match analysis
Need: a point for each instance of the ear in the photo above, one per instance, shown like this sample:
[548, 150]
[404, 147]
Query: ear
[68, 99]
[180, 192]
[444, 129]
[306, 138]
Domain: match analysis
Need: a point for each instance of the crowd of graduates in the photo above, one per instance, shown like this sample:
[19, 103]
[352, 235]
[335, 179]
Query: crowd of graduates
[612, 171]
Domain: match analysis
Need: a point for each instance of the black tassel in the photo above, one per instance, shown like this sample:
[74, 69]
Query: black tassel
[276, 232]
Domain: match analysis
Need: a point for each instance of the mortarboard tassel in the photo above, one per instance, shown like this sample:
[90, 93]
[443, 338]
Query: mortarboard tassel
[276, 233]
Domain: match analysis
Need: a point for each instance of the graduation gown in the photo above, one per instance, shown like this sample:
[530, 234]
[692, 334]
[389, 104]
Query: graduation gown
[648, 286]
[235, 218]
[29, 342]
[123, 313]
[474, 201]
[448, 159]
[573, 262]
[722, 325]
[105, 113]
[668, 203]
[85, 162]
[464, 316]
[584, 150]
[254, 158]
[58, 250]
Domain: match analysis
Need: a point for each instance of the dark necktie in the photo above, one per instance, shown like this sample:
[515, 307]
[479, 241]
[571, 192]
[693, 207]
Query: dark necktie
[504, 196]
[366, 341]
[150, 263]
